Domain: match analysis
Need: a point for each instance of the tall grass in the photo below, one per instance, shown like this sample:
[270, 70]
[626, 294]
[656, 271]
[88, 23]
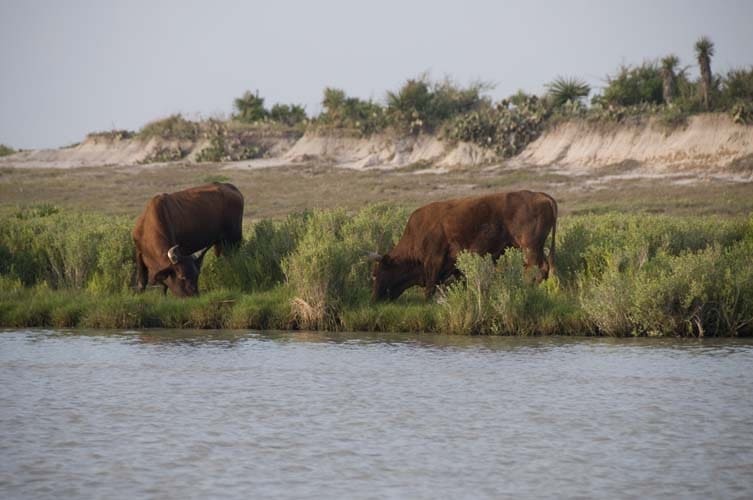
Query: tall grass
[616, 275]
[328, 270]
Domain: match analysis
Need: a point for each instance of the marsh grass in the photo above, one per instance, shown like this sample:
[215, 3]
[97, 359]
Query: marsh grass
[616, 275]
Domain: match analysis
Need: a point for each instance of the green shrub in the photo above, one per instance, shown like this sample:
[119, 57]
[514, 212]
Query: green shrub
[635, 85]
[507, 128]
[350, 113]
[420, 105]
[172, 127]
[250, 108]
[225, 145]
[256, 264]
[67, 250]
[328, 270]
[696, 294]
[288, 114]
[501, 299]
[737, 87]
[6, 150]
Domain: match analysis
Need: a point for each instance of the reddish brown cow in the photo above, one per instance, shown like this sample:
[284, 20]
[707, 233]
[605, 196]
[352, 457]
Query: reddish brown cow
[438, 232]
[174, 227]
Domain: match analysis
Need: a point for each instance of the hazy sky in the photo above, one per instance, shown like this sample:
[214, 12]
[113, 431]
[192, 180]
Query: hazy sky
[72, 67]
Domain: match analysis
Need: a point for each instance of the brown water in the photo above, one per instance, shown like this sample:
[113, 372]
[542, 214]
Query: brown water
[163, 414]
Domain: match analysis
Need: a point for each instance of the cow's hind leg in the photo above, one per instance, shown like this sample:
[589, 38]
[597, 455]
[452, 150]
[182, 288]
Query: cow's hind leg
[231, 239]
[534, 257]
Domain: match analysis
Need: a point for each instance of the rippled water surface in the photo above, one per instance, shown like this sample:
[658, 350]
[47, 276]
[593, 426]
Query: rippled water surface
[179, 415]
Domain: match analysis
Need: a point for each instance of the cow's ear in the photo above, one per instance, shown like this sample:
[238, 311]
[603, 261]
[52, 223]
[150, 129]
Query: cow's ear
[163, 274]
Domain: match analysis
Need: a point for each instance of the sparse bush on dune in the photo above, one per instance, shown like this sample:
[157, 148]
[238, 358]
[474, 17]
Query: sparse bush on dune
[250, 109]
[173, 127]
[736, 94]
[111, 135]
[225, 145]
[421, 105]
[506, 128]
[288, 114]
[634, 85]
[616, 275]
[349, 114]
[6, 150]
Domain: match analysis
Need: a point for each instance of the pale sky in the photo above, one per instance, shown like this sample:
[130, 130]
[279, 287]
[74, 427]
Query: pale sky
[71, 67]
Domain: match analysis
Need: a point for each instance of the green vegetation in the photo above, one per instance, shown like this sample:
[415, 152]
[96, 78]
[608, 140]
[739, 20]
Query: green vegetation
[507, 127]
[227, 143]
[567, 90]
[634, 85]
[421, 105]
[250, 109]
[349, 114]
[172, 127]
[111, 135]
[659, 89]
[6, 150]
[616, 275]
[288, 114]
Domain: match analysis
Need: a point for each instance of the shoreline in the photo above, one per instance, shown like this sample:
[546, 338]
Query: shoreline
[617, 275]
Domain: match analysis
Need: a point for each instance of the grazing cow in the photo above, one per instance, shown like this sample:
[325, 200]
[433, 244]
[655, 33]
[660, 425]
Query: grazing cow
[438, 232]
[176, 230]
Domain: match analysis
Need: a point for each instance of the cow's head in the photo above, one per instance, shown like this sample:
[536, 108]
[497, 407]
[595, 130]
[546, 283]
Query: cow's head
[182, 276]
[391, 277]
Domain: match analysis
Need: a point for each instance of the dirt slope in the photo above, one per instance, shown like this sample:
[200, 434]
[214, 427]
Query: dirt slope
[709, 141]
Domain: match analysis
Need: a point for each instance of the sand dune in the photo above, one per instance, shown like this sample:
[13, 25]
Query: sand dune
[707, 143]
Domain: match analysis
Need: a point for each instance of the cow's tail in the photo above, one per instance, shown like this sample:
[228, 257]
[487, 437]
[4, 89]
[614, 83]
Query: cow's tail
[550, 258]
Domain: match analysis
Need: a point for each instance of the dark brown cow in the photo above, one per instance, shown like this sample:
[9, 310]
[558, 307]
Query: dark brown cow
[438, 232]
[176, 226]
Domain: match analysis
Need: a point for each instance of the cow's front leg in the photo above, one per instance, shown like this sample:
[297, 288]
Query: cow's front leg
[142, 274]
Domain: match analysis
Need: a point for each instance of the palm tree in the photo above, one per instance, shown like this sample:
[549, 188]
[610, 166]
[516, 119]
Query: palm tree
[564, 89]
[704, 50]
[668, 66]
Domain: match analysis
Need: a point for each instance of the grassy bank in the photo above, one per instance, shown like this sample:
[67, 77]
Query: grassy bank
[616, 275]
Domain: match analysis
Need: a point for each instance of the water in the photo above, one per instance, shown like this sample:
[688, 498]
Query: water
[179, 415]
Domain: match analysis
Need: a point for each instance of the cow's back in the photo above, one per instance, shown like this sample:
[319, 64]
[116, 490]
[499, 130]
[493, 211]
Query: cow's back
[192, 218]
[483, 224]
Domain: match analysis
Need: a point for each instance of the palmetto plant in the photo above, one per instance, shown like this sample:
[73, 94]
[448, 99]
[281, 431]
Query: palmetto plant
[564, 89]
[668, 69]
[704, 50]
